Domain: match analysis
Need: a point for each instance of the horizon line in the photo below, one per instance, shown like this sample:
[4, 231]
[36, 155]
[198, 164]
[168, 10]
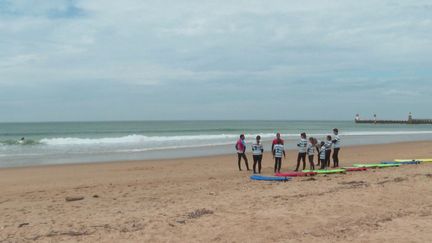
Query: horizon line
[180, 120]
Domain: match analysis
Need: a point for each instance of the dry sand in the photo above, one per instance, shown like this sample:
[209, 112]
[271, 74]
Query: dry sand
[208, 200]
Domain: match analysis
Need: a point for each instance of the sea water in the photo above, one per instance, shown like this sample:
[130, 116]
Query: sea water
[83, 142]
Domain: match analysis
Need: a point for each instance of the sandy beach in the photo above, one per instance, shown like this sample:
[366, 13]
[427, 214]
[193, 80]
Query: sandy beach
[208, 200]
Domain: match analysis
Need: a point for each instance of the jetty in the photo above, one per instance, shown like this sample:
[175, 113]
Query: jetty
[409, 121]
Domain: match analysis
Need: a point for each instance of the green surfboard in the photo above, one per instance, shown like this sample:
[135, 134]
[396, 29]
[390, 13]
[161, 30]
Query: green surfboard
[326, 171]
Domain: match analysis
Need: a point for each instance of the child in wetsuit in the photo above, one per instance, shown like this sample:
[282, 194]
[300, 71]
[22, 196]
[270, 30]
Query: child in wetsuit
[322, 156]
[302, 146]
[328, 147]
[318, 148]
[310, 152]
[257, 151]
[278, 151]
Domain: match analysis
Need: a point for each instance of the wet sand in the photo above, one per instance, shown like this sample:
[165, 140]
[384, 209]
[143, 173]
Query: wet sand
[208, 200]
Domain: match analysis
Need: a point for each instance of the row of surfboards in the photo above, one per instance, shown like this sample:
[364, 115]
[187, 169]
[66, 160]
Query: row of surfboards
[356, 167]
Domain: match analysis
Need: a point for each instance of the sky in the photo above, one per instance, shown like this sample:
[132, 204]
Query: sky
[91, 60]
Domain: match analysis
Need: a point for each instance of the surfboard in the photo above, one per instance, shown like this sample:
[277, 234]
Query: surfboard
[269, 178]
[402, 163]
[411, 160]
[351, 169]
[334, 171]
[294, 174]
[376, 165]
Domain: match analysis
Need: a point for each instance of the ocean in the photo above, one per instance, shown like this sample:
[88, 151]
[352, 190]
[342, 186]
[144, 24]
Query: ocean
[88, 142]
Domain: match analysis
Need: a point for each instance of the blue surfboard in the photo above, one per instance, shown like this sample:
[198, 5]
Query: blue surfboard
[402, 163]
[269, 178]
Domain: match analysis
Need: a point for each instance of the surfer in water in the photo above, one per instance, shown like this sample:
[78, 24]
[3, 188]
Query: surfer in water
[241, 152]
[21, 141]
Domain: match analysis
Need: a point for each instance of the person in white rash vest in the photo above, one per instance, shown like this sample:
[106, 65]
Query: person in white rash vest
[310, 152]
[336, 147]
[257, 151]
[278, 151]
[322, 155]
[302, 146]
[328, 149]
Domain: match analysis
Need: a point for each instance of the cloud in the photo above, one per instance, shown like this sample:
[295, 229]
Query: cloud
[396, 92]
[41, 8]
[211, 50]
[20, 60]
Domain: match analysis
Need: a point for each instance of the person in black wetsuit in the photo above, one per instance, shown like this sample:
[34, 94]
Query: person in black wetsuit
[278, 151]
[336, 147]
[302, 146]
[322, 155]
[328, 149]
[241, 151]
[310, 152]
[277, 140]
[318, 148]
[257, 151]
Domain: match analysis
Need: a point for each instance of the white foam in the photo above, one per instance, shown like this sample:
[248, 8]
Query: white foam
[141, 139]
[171, 147]
[198, 140]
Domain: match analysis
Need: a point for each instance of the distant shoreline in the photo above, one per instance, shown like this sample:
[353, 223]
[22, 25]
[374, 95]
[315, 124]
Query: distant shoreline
[205, 157]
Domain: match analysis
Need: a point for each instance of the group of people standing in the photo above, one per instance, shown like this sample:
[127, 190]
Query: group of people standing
[307, 147]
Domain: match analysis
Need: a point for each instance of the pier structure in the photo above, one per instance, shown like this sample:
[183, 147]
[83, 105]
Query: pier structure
[410, 120]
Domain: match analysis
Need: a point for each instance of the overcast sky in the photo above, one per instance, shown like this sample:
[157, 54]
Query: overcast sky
[139, 60]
